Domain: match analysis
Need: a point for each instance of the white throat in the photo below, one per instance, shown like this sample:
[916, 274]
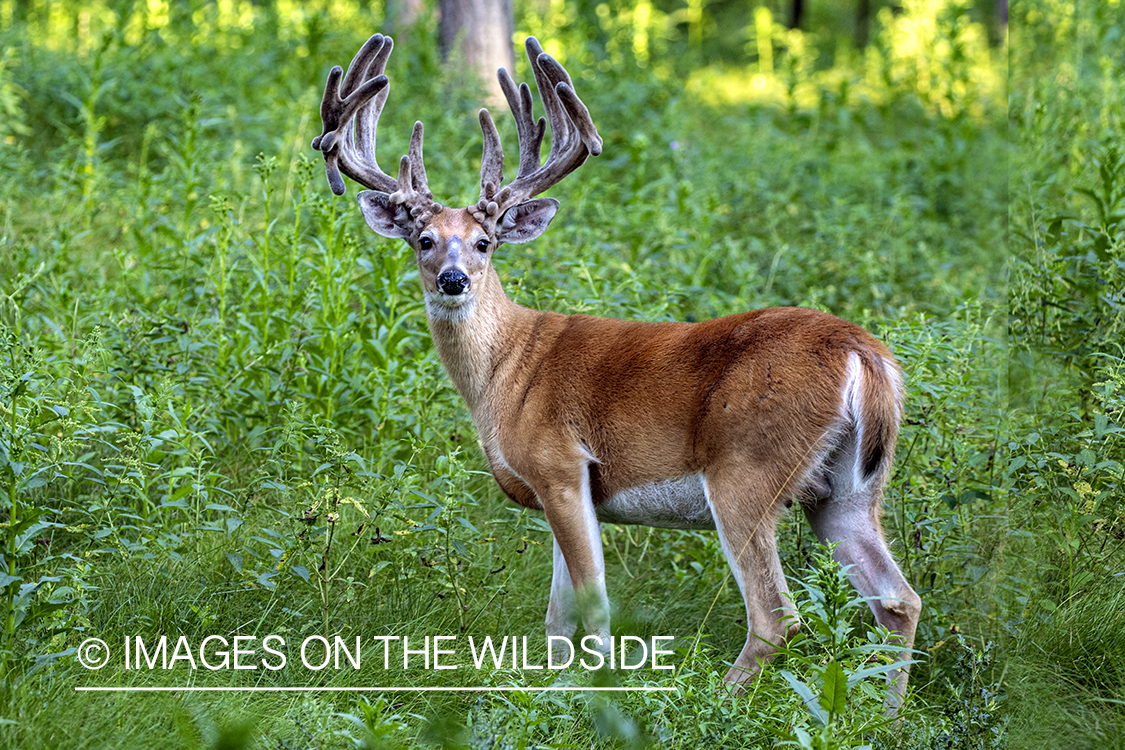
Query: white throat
[466, 335]
[446, 307]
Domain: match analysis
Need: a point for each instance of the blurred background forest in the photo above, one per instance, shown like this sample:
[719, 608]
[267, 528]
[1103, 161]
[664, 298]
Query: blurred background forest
[220, 411]
[1066, 375]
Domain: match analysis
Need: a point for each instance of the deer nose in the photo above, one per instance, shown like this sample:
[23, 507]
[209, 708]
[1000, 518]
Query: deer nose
[452, 281]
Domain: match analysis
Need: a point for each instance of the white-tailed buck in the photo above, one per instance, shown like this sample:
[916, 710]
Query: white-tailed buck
[716, 425]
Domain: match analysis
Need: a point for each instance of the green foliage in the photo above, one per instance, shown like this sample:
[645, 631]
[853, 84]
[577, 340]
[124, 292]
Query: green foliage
[11, 113]
[838, 661]
[220, 411]
[1065, 553]
[972, 712]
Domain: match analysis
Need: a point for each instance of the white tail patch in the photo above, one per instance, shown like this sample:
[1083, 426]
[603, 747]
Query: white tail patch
[851, 405]
[851, 411]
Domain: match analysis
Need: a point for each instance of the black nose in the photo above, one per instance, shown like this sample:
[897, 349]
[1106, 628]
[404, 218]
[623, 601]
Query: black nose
[452, 281]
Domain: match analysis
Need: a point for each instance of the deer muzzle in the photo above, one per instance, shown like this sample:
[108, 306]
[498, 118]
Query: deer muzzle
[453, 281]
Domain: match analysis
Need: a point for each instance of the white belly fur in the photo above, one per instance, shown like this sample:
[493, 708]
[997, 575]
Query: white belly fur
[669, 504]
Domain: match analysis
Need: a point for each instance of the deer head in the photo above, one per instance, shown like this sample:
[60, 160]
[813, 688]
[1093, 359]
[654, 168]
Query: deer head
[453, 247]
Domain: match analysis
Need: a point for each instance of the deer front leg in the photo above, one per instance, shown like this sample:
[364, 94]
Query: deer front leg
[578, 582]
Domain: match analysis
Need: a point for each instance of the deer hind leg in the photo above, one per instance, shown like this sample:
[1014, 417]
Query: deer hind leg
[745, 518]
[852, 521]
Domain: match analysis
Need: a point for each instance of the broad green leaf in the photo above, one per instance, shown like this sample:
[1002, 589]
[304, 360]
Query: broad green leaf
[807, 696]
[235, 561]
[855, 677]
[834, 698]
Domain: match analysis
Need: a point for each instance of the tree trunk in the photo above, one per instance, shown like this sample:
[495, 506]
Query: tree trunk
[478, 33]
[401, 15]
[796, 13]
[862, 23]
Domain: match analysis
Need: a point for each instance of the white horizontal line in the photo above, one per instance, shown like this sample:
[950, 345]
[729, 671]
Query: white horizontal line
[397, 689]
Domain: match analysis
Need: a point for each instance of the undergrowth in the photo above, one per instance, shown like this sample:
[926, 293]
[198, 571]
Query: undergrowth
[221, 414]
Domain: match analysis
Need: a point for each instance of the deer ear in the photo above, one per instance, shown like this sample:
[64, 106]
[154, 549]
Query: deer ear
[525, 221]
[384, 216]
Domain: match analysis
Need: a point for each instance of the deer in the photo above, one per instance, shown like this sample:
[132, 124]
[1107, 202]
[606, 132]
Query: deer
[721, 424]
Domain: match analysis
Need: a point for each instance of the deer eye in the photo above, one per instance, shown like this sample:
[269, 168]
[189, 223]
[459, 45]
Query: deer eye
[482, 245]
[425, 243]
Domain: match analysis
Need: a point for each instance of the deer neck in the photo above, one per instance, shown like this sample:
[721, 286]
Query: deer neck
[472, 339]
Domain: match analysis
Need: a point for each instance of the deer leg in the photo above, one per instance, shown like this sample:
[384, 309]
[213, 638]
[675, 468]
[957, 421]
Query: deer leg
[578, 557]
[853, 523]
[745, 520]
[562, 611]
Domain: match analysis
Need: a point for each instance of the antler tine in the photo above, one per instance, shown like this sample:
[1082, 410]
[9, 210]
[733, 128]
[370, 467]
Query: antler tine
[573, 135]
[560, 128]
[580, 117]
[359, 96]
[367, 118]
[403, 172]
[492, 158]
[529, 131]
[361, 63]
[418, 182]
[412, 189]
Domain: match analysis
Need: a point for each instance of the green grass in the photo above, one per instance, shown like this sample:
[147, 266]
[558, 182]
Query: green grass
[1064, 592]
[209, 367]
